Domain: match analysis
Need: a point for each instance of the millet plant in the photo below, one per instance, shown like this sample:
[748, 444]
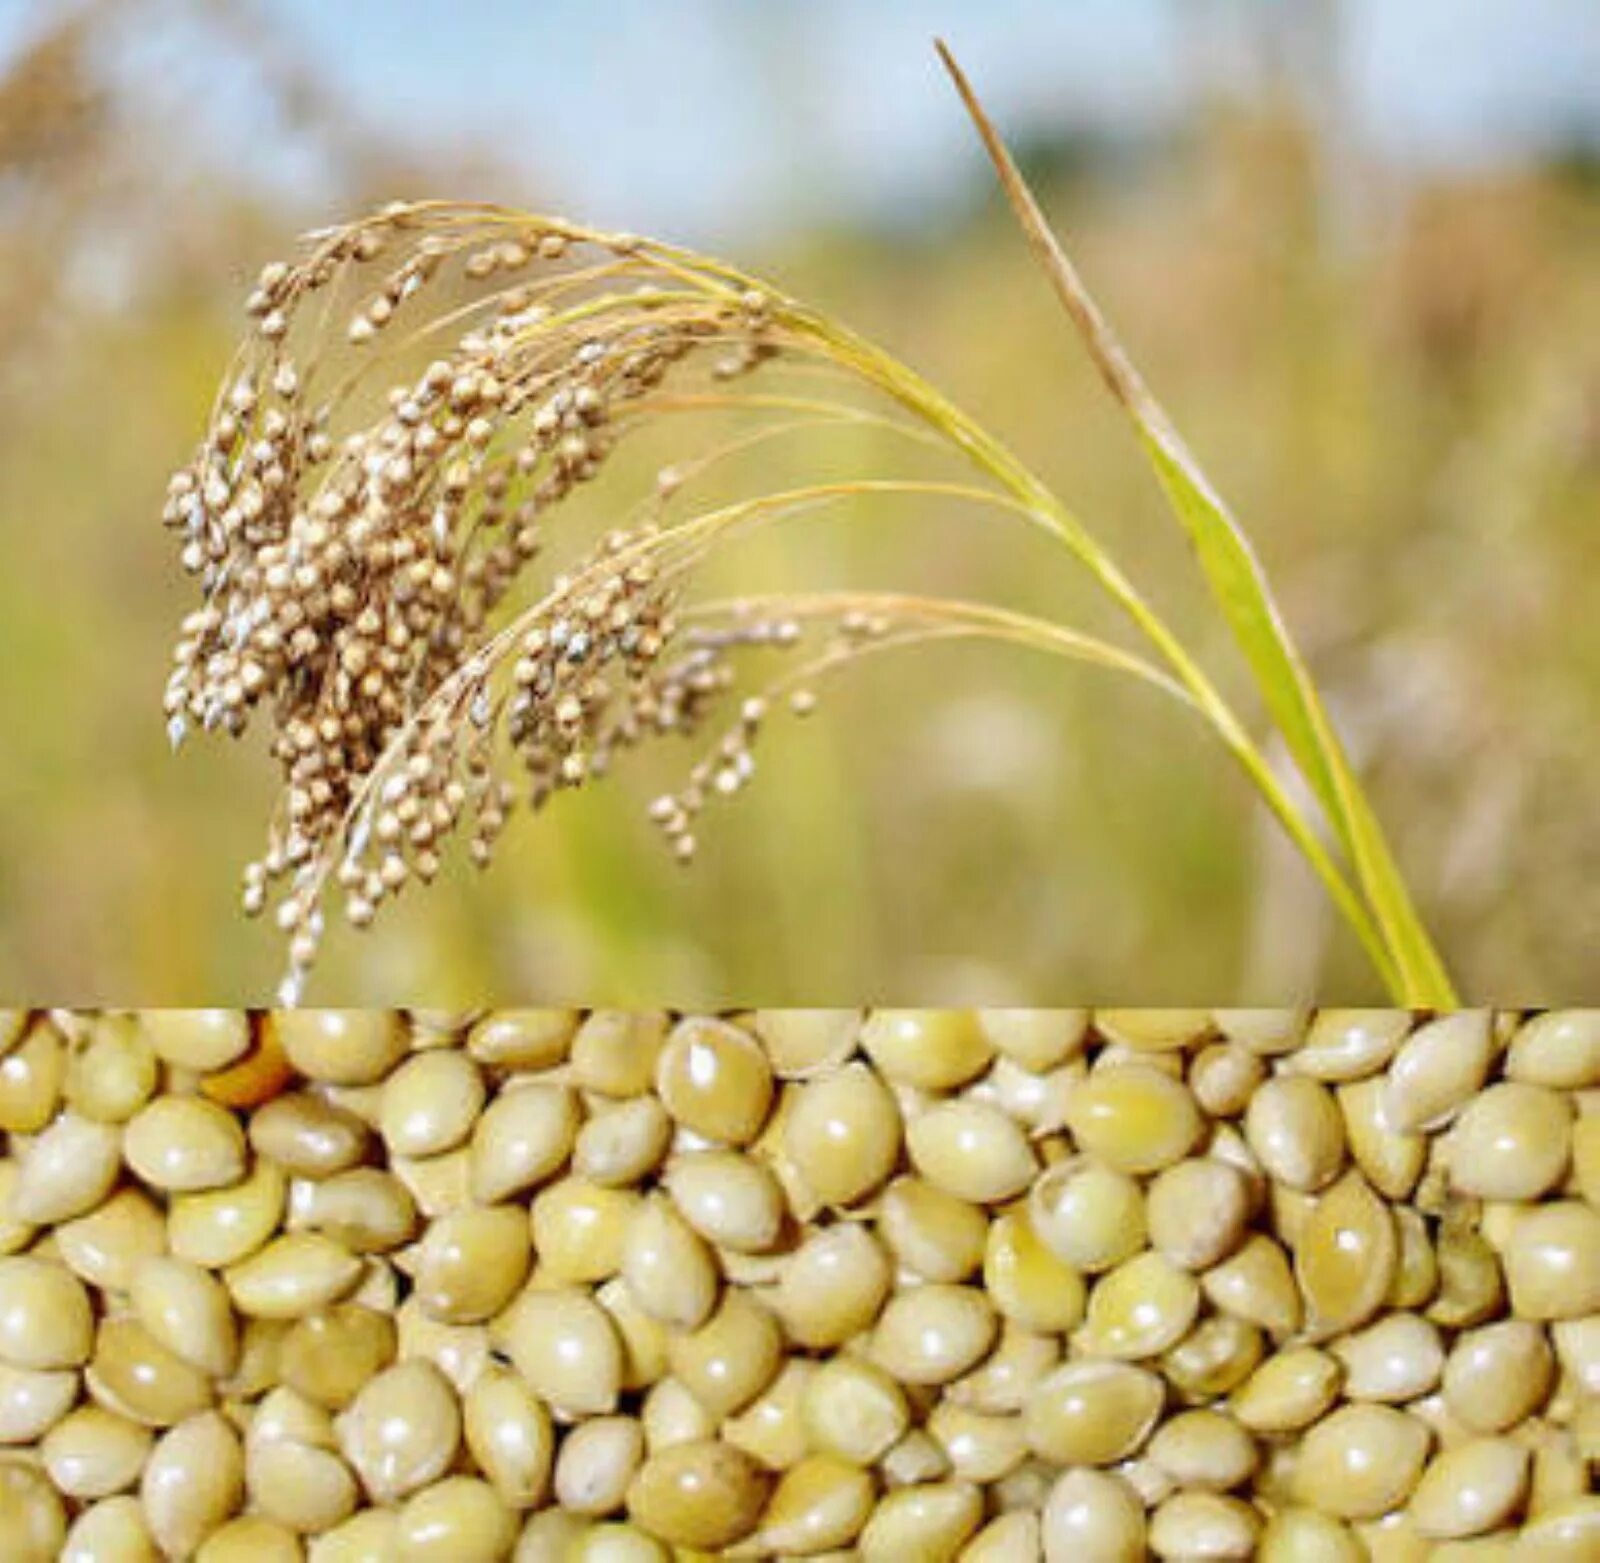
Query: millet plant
[356, 565]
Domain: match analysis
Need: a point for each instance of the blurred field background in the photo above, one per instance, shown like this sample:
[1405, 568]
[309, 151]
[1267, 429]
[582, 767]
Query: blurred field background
[1356, 248]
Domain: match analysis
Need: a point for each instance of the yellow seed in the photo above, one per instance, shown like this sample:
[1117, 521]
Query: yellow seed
[523, 1038]
[1255, 1284]
[365, 1209]
[1014, 1534]
[771, 1429]
[1028, 1284]
[1216, 1356]
[1092, 1413]
[33, 1400]
[67, 1171]
[1294, 1127]
[854, 1410]
[31, 1076]
[133, 1373]
[250, 1539]
[714, 1080]
[459, 1518]
[1153, 1030]
[368, 1536]
[667, 1265]
[182, 1144]
[971, 1150]
[1471, 1288]
[934, 1333]
[1496, 1376]
[112, 1072]
[930, 1232]
[1577, 1343]
[1139, 1309]
[1295, 1535]
[340, 1046]
[1265, 1031]
[818, 1505]
[307, 1136]
[194, 1480]
[199, 1039]
[1396, 1359]
[624, 1143]
[32, 1519]
[1346, 1257]
[1552, 1261]
[1038, 1039]
[1416, 1275]
[916, 1458]
[615, 1051]
[732, 1357]
[111, 1531]
[672, 1415]
[402, 1431]
[1351, 1044]
[220, 1227]
[643, 1338]
[979, 1447]
[597, 1461]
[565, 1346]
[257, 1077]
[45, 1320]
[930, 1520]
[1224, 1076]
[1360, 1462]
[803, 1042]
[1470, 1489]
[580, 1229]
[92, 1452]
[1288, 1391]
[1510, 1142]
[430, 1103]
[471, 1262]
[730, 1199]
[1204, 1450]
[1559, 1049]
[524, 1137]
[186, 1309]
[1204, 1525]
[843, 1134]
[510, 1437]
[1088, 1215]
[1567, 1532]
[1133, 1117]
[1092, 1515]
[296, 1274]
[929, 1049]
[1038, 1102]
[1391, 1162]
[437, 1184]
[328, 1356]
[1436, 1071]
[1197, 1212]
[705, 1495]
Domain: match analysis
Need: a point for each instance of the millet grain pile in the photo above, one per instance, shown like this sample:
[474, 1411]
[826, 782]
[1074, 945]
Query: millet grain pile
[908, 1285]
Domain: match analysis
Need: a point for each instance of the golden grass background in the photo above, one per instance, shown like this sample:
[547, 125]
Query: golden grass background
[1405, 411]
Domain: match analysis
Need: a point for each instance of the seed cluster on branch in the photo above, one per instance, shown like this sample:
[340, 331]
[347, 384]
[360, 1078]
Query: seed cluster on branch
[356, 551]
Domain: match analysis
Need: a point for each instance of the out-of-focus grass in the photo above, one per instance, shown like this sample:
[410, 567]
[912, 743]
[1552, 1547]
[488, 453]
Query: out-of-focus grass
[1408, 419]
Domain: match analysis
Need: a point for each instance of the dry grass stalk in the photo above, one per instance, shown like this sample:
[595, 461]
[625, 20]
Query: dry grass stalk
[356, 567]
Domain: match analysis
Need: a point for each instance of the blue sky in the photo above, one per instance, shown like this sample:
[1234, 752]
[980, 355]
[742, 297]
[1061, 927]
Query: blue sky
[706, 116]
